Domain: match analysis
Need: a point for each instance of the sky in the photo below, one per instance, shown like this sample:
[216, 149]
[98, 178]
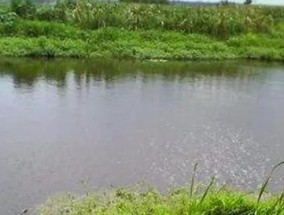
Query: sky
[273, 2]
[276, 2]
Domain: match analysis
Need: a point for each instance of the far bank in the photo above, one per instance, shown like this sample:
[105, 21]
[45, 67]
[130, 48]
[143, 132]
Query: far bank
[142, 31]
[142, 45]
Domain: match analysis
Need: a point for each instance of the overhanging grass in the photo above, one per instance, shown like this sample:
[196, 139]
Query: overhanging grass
[177, 202]
[189, 200]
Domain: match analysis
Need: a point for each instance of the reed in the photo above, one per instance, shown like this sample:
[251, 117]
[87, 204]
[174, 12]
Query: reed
[192, 183]
[218, 21]
[142, 31]
[269, 177]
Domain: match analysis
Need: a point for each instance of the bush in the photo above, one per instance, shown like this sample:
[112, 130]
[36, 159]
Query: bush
[7, 22]
[40, 28]
[24, 8]
[48, 13]
[7, 17]
[147, 1]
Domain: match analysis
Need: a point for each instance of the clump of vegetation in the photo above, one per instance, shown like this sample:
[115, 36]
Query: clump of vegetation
[23, 8]
[217, 21]
[147, 1]
[248, 2]
[177, 202]
[187, 200]
[73, 28]
[33, 38]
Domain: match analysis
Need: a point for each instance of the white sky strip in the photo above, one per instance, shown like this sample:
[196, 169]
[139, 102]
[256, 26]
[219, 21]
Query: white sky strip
[271, 2]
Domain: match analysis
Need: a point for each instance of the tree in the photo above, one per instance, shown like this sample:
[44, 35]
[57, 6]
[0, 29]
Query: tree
[147, 1]
[247, 2]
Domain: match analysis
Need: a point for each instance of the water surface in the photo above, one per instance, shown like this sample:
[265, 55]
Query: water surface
[70, 125]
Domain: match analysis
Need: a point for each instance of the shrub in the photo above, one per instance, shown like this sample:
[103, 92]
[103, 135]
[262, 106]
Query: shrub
[147, 1]
[49, 13]
[24, 8]
[7, 17]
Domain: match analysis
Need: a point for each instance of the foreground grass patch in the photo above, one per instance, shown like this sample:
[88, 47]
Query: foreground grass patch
[177, 202]
[189, 200]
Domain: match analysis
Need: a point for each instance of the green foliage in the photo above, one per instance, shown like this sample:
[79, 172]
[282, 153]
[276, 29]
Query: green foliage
[248, 2]
[147, 1]
[24, 8]
[39, 28]
[144, 31]
[7, 20]
[67, 3]
[217, 21]
[7, 17]
[119, 43]
[177, 202]
[220, 21]
[277, 13]
[49, 13]
[42, 47]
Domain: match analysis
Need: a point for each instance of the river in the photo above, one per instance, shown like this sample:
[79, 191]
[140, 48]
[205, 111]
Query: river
[81, 125]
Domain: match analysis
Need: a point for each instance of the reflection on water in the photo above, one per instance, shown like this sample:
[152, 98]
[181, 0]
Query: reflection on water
[118, 123]
[27, 73]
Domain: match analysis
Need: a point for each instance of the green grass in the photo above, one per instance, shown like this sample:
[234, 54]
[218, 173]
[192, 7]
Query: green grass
[48, 40]
[177, 202]
[217, 21]
[142, 31]
[188, 200]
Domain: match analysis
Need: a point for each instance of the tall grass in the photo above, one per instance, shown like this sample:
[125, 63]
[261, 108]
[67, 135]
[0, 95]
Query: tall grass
[265, 184]
[218, 21]
[73, 28]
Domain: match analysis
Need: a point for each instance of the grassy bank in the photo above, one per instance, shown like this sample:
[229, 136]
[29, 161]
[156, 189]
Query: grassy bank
[137, 31]
[177, 202]
[150, 44]
[192, 199]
